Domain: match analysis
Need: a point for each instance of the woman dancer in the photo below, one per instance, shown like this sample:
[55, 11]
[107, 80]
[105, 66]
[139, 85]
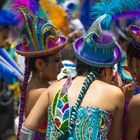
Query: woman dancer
[41, 45]
[88, 107]
[133, 58]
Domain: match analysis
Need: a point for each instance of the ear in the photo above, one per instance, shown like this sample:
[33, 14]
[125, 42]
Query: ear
[39, 64]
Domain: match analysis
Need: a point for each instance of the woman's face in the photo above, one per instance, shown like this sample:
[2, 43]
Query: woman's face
[134, 67]
[53, 67]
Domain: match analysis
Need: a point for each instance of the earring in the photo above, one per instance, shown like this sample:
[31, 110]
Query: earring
[40, 76]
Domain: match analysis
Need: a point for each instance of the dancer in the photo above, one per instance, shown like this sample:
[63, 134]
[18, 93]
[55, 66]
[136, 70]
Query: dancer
[133, 58]
[88, 107]
[41, 45]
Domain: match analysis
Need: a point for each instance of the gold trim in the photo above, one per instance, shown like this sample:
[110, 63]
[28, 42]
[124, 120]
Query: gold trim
[23, 9]
[45, 52]
[51, 33]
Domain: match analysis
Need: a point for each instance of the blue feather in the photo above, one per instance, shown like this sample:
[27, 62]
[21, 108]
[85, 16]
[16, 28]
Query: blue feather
[111, 8]
[131, 5]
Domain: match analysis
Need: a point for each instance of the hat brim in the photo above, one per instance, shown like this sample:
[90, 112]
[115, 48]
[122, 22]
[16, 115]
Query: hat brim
[90, 61]
[62, 44]
[132, 30]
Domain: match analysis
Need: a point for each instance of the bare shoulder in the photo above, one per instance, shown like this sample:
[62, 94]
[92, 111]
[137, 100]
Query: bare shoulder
[53, 89]
[115, 90]
[135, 103]
[116, 93]
[56, 85]
[35, 93]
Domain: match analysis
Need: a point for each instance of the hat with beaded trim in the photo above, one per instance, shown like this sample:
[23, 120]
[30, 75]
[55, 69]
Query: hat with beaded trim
[38, 36]
[98, 48]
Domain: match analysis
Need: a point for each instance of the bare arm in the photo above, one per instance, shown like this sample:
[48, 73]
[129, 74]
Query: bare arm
[116, 126]
[31, 99]
[38, 113]
[133, 117]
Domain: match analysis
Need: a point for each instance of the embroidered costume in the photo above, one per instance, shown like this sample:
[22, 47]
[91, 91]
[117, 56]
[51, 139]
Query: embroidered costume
[76, 122]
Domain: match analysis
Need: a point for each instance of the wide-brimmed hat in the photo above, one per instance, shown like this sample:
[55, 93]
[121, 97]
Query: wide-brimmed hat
[98, 48]
[38, 36]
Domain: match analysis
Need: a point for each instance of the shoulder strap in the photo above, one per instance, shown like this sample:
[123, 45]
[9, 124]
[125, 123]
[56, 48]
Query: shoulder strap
[60, 107]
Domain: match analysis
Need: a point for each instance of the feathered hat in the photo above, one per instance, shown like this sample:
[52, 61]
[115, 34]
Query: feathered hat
[38, 36]
[98, 48]
[115, 10]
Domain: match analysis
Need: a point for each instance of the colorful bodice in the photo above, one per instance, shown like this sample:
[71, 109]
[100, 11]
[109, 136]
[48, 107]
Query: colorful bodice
[91, 124]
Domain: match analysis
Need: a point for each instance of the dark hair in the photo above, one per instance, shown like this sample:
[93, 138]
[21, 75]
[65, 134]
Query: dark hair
[133, 49]
[29, 66]
[83, 68]
[68, 53]
[31, 61]
[23, 94]
[3, 26]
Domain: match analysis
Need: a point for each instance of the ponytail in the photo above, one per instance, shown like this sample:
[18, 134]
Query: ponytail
[23, 94]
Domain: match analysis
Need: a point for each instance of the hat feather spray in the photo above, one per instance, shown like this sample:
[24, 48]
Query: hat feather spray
[115, 10]
[56, 12]
[33, 5]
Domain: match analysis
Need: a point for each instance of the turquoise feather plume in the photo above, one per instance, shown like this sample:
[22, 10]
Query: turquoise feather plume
[112, 8]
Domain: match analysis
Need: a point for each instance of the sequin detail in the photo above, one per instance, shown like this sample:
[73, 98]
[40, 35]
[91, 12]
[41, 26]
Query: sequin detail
[91, 124]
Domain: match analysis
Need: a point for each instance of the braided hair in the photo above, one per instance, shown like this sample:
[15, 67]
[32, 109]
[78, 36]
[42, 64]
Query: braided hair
[23, 94]
[29, 66]
[89, 79]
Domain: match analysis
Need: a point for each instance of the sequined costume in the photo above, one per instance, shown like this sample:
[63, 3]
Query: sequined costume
[91, 124]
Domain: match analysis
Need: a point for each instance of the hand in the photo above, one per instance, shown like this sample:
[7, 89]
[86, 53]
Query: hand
[128, 90]
[116, 80]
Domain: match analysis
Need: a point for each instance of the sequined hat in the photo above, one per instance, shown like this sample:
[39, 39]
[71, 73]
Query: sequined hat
[98, 48]
[38, 36]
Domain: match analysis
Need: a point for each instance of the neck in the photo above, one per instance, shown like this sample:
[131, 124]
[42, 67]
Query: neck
[103, 79]
[40, 83]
